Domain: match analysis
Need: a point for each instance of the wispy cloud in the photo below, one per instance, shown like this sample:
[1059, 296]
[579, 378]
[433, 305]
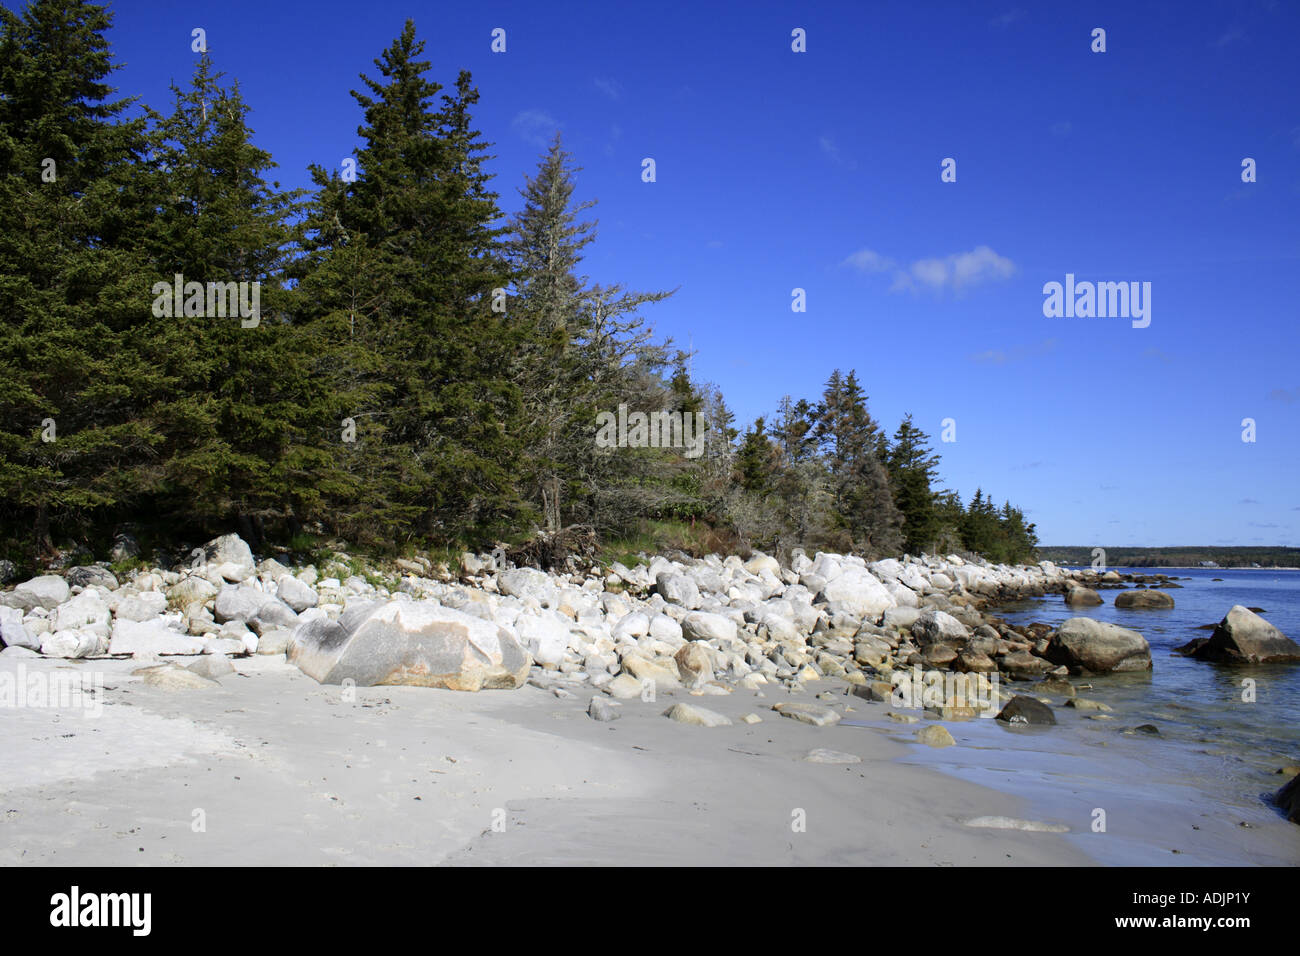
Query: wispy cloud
[1005, 20]
[1158, 354]
[1287, 395]
[535, 126]
[1017, 354]
[1229, 37]
[832, 152]
[1063, 128]
[611, 88]
[957, 271]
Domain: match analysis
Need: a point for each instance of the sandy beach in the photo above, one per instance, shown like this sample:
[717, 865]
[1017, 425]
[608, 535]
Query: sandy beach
[280, 770]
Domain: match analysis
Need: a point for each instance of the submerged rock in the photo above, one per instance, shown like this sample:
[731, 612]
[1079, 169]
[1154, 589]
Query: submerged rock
[1027, 710]
[1145, 598]
[405, 642]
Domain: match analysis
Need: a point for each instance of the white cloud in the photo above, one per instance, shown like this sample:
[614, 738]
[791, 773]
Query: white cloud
[956, 272]
[611, 88]
[832, 151]
[536, 126]
[867, 260]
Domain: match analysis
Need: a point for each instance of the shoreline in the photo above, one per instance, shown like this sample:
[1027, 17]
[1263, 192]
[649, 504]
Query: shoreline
[246, 739]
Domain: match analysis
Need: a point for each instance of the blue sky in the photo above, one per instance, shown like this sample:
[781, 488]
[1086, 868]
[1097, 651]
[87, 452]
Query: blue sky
[821, 170]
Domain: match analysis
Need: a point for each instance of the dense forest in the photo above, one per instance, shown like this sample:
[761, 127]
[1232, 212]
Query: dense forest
[392, 361]
[1178, 557]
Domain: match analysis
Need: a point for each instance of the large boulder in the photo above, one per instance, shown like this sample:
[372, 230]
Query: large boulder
[47, 591]
[409, 642]
[859, 593]
[933, 626]
[679, 589]
[702, 626]
[1082, 597]
[296, 594]
[257, 609]
[150, 639]
[13, 633]
[1288, 798]
[1243, 637]
[1143, 598]
[228, 553]
[1098, 647]
[545, 637]
[526, 583]
[88, 575]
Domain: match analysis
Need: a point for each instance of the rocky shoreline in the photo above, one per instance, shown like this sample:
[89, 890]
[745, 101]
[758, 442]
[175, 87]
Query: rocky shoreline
[919, 634]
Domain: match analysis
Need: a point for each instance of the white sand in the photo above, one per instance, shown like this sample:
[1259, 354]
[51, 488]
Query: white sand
[287, 772]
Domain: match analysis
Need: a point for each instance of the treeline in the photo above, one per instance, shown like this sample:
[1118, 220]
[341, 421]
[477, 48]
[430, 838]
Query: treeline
[1178, 557]
[384, 358]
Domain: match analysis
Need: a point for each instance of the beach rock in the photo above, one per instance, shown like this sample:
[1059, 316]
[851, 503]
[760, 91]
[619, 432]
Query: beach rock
[696, 716]
[91, 575]
[47, 591]
[1243, 637]
[151, 638]
[70, 644]
[935, 735]
[413, 643]
[859, 593]
[274, 640]
[1288, 798]
[678, 589]
[141, 607]
[1083, 703]
[1023, 665]
[1027, 710]
[175, 678]
[212, 666]
[8, 571]
[821, 755]
[661, 677]
[230, 550]
[297, 595]
[546, 638]
[13, 633]
[702, 626]
[933, 626]
[1097, 647]
[623, 687]
[14, 650]
[1082, 597]
[1143, 598]
[525, 583]
[603, 710]
[695, 662]
[191, 590]
[808, 714]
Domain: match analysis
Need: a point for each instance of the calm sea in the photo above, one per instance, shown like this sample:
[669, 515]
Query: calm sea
[1193, 701]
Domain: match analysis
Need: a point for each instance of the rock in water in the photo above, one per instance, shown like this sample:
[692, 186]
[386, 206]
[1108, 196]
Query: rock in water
[1243, 637]
[1143, 598]
[406, 642]
[1082, 597]
[935, 735]
[1027, 710]
[1288, 798]
[696, 716]
[1096, 647]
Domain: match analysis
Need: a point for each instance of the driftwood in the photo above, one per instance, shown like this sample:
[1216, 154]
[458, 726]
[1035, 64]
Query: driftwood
[553, 550]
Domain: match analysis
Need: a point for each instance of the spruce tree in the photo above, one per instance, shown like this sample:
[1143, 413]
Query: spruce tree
[913, 468]
[74, 450]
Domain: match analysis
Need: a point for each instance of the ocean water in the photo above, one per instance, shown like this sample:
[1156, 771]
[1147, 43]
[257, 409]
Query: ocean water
[1199, 794]
[1195, 701]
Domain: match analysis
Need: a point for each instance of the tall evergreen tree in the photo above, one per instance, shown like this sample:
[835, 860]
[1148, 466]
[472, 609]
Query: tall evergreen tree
[850, 439]
[913, 468]
[73, 448]
[236, 446]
